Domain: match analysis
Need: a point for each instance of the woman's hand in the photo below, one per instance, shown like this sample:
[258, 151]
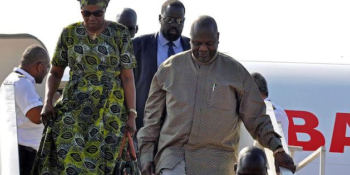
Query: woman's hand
[53, 81]
[131, 124]
[48, 112]
[127, 77]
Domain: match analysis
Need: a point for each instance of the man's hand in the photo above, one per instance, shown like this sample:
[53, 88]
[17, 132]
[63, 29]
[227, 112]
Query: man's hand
[47, 112]
[284, 160]
[148, 169]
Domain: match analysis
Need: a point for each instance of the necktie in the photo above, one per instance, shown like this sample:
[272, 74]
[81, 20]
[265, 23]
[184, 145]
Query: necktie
[171, 49]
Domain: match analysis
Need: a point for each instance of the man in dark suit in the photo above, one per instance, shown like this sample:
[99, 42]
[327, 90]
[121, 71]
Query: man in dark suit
[153, 49]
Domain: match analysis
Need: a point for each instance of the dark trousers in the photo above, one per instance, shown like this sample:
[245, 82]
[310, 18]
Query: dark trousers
[26, 159]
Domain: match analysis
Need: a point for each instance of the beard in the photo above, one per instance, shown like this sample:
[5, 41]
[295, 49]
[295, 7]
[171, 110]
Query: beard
[172, 36]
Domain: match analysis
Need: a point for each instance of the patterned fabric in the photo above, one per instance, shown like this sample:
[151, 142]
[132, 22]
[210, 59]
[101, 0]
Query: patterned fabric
[101, 3]
[204, 105]
[91, 113]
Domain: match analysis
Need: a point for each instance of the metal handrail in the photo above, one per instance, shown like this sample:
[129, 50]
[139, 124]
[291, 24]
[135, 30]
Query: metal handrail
[247, 140]
[320, 152]
[292, 150]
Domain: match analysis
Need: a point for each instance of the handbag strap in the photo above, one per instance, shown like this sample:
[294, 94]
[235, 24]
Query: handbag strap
[131, 146]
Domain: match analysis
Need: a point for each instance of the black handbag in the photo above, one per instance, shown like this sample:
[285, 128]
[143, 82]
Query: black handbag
[130, 166]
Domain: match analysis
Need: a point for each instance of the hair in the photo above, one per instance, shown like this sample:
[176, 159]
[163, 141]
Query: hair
[260, 81]
[205, 22]
[172, 3]
[127, 11]
[252, 152]
[33, 54]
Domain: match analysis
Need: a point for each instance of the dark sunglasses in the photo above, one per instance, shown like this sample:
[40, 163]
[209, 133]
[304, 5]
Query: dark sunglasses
[170, 20]
[97, 13]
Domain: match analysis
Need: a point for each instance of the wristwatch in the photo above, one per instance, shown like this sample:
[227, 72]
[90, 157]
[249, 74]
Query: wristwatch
[133, 111]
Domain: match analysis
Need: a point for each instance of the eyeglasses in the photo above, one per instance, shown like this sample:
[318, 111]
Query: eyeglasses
[170, 20]
[97, 13]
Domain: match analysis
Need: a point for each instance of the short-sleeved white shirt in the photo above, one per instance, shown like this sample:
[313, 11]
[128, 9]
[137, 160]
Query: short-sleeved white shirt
[282, 117]
[26, 98]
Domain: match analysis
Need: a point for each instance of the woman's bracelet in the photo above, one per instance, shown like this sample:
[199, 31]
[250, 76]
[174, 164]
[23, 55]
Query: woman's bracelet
[133, 111]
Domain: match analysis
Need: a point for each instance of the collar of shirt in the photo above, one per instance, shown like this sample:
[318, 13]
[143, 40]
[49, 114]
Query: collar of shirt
[163, 41]
[267, 99]
[206, 63]
[26, 74]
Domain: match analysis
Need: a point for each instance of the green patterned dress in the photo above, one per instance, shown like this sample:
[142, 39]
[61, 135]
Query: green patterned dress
[91, 114]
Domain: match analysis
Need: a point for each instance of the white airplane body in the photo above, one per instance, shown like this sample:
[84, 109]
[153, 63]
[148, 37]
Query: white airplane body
[316, 98]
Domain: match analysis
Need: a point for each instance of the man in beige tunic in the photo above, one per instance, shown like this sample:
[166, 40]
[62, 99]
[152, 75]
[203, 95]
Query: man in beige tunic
[193, 112]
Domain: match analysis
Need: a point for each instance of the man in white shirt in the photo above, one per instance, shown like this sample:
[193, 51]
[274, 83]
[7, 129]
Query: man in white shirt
[34, 66]
[280, 114]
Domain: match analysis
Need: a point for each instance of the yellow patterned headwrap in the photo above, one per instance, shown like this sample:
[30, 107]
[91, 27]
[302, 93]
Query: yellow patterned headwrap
[101, 3]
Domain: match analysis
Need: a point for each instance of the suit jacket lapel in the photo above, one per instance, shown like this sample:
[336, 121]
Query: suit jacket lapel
[152, 53]
[185, 43]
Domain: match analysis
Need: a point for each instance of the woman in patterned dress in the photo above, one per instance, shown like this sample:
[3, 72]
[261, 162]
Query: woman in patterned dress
[86, 125]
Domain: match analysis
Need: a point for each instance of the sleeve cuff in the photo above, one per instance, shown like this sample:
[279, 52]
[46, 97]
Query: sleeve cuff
[274, 143]
[63, 65]
[32, 106]
[129, 66]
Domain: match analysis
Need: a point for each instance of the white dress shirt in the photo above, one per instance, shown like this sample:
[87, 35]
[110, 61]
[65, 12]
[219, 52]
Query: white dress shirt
[162, 49]
[282, 117]
[26, 98]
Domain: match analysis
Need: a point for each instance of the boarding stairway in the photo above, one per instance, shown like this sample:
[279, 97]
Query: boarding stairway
[247, 140]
